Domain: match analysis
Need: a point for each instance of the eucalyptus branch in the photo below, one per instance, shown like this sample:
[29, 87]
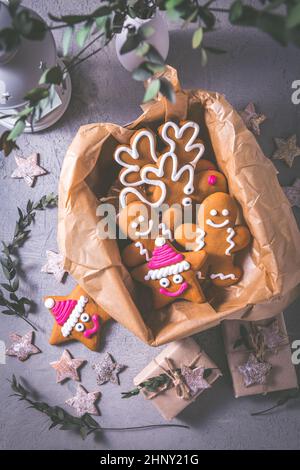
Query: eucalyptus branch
[13, 304]
[281, 402]
[85, 425]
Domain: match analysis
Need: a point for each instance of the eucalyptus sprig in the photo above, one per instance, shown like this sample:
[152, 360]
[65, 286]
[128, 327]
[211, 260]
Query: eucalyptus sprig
[12, 303]
[284, 398]
[85, 425]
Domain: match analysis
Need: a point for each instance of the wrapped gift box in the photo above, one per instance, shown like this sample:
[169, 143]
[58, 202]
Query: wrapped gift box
[181, 353]
[282, 375]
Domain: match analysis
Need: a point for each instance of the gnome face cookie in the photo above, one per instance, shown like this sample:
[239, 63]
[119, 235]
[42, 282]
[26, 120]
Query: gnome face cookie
[171, 275]
[77, 317]
[218, 235]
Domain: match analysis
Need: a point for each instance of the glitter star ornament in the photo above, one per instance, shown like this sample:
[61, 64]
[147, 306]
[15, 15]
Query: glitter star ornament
[293, 193]
[108, 370]
[28, 169]
[67, 367]
[272, 335]
[252, 119]
[194, 379]
[254, 371]
[22, 346]
[287, 150]
[84, 402]
[54, 265]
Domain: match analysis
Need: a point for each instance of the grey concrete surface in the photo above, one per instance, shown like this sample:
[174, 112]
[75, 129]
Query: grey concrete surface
[254, 69]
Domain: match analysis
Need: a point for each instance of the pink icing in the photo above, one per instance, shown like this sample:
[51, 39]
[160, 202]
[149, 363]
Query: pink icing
[212, 180]
[92, 331]
[178, 292]
[63, 309]
[164, 256]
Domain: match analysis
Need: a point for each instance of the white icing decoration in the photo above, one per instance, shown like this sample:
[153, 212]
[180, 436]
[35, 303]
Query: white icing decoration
[213, 212]
[177, 279]
[179, 131]
[141, 218]
[79, 327]
[49, 303]
[214, 225]
[222, 276]
[164, 282]
[160, 241]
[225, 212]
[186, 201]
[74, 317]
[155, 274]
[146, 232]
[134, 224]
[165, 231]
[133, 152]
[143, 250]
[200, 239]
[231, 233]
[126, 191]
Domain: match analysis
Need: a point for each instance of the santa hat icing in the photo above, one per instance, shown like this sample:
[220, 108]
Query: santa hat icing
[66, 312]
[165, 261]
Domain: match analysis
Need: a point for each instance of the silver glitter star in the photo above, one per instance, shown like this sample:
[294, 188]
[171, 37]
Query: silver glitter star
[28, 168]
[66, 367]
[108, 370]
[287, 150]
[194, 379]
[272, 335]
[84, 402]
[54, 265]
[252, 119]
[293, 193]
[22, 346]
[254, 371]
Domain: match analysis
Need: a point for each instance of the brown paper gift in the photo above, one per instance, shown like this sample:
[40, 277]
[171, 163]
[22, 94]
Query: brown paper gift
[182, 352]
[282, 375]
[271, 265]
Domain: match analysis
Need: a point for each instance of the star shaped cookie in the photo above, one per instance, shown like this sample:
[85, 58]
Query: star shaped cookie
[254, 371]
[194, 379]
[84, 402]
[293, 193]
[287, 150]
[272, 335]
[22, 346]
[28, 168]
[54, 265]
[108, 370]
[77, 317]
[67, 367]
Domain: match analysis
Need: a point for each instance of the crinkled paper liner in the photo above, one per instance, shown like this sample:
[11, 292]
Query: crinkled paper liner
[271, 265]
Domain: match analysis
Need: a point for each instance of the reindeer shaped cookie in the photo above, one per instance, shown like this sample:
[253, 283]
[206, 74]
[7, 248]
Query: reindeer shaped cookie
[218, 235]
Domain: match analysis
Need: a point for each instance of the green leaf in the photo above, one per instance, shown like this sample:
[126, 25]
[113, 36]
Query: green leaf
[236, 11]
[17, 130]
[54, 75]
[131, 43]
[83, 34]
[141, 73]
[207, 17]
[142, 49]
[66, 41]
[167, 90]
[293, 17]
[36, 94]
[154, 56]
[9, 39]
[146, 31]
[5, 145]
[152, 90]
[69, 19]
[83, 432]
[197, 38]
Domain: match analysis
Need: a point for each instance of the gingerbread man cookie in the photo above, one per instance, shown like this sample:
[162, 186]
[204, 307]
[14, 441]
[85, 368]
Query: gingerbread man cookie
[171, 275]
[77, 317]
[218, 235]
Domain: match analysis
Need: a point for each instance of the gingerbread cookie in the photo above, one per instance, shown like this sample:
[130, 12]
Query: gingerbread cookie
[218, 235]
[171, 275]
[140, 151]
[77, 317]
[209, 182]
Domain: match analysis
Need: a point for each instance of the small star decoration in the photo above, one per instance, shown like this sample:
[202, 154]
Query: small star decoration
[194, 379]
[252, 119]
[287, 150]
[108, 370]
[272, 335]
[66, 367]
[254, 371]
[28, 168]
[22, 346]
[293, 193]
[54, 265]
[84, 402]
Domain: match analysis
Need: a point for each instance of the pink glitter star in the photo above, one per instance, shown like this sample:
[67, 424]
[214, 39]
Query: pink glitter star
[28, 169]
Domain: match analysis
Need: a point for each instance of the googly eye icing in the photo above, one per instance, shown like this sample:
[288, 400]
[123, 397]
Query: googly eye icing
[84, 317]
[225, 212]
[186, 201]
[164, 282]
[134, 224]
[177, 279]
[189, 190]
[141, 218]
[213, 212]
[79, 327]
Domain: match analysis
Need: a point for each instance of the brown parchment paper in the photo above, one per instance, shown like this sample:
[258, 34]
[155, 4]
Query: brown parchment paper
[271, 266]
